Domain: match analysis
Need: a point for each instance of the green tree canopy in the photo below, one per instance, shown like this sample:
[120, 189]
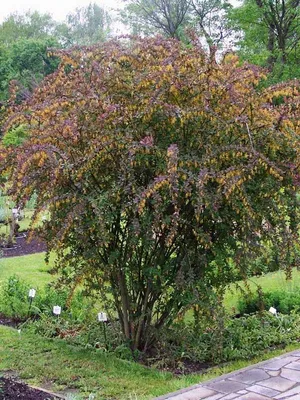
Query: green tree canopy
[270, 35]
[87, 25]
[25, 40]
[167, 17]
[30, 25]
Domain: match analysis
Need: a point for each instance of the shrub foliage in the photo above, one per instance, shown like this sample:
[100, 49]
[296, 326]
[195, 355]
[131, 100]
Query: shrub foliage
[158, 167]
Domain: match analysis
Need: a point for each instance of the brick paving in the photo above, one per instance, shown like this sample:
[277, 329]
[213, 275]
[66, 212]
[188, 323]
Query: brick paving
[278, 378]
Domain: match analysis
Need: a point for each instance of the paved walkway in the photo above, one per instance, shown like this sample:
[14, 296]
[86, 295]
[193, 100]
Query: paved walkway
[278, 378]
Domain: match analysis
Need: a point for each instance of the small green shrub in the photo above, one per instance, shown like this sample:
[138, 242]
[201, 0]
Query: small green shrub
[283, 301]
[14, 298]
[14, 302]
[241, 338]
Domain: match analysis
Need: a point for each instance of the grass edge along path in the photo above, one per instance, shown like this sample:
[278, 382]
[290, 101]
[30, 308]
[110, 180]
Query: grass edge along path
[54, 363]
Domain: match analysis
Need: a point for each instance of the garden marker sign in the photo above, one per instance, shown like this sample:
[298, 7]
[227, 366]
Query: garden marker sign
[102, 317]
[31, 293]
[56, 310]
[273, 310]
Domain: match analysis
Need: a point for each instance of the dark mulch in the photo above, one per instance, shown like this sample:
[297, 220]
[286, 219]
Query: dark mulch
[167, 363]
[24, 247]
[11, 390]
[12, 322]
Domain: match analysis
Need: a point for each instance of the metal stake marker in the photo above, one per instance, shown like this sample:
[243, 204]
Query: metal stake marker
[102, 317]
[31, 296]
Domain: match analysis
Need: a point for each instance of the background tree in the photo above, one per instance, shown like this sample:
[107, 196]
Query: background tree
[30, 25]
[31, 62]
[87, 25]
[168, 17]
[270, 34]
[175, 19]
[161, 170]
[25, 40]
[211, 22]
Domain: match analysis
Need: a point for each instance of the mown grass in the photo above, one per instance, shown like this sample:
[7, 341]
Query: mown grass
[269, 282]
[30, 268]
[33, 270]
[54, 364]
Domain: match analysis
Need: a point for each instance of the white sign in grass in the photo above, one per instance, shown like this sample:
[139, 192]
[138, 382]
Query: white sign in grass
[56, 310]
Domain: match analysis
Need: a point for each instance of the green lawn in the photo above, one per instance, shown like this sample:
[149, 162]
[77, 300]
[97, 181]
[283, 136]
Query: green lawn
[31, 268]
[269, 282]
[54, 364]
[57, 365]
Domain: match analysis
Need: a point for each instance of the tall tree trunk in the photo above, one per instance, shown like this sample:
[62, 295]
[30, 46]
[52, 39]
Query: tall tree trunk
[271, 45]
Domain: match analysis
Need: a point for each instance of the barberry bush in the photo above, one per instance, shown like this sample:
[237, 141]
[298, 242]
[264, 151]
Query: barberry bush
[163, 172]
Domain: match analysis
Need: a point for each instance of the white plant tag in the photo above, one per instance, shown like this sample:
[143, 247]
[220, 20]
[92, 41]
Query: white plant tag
[32, 293]
[273, 310]
[102, 317]
[56, 310]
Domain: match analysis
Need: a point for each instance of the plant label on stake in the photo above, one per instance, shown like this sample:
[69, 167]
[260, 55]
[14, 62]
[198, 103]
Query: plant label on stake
[273, 310]
[16, 212]
[57, 310]
[102, 317]
[31, 296]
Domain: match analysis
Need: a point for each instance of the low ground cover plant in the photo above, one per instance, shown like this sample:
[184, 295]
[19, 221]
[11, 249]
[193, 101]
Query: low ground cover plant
[202, 343]
[15, 302]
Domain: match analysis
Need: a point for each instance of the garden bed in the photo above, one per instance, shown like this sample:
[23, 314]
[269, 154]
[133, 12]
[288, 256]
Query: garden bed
[24, 247]
[11, 322]
[11, 390]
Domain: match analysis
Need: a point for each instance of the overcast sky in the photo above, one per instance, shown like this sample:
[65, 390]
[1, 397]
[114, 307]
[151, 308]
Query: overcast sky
[58, 8]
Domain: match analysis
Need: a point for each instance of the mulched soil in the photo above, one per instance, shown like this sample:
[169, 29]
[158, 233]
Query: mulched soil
[24, 247]
[166, 363]
[11, 390]
[12, 322]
